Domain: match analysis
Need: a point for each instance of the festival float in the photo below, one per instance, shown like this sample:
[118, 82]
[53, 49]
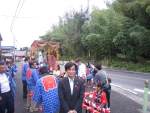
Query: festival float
[45, 50]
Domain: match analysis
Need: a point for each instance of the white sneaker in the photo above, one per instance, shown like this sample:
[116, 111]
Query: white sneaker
[27, 108]
[35, 109]
[108, 108]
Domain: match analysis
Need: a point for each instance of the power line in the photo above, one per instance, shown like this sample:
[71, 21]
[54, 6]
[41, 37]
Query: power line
[12, 27]
[18, 13]
[14, 20]
[27, 17]
[15, 38]
[15, 15]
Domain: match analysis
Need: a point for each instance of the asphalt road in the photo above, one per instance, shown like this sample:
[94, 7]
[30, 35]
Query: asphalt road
[131, 81]
[122, 101]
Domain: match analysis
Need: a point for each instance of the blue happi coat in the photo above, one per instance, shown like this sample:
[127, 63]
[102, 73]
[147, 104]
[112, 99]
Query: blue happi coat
[24, 69]
[31, 78]
[38, 72]
[14, 70]
[7, 71]
[46, 93]
[12, 83]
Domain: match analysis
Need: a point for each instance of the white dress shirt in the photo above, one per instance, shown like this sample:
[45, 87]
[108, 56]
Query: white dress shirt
[4, 83]
[81, 70]
[71, 82]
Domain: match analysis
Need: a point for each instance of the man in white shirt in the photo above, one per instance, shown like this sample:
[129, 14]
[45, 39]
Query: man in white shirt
[81, 68]
[70, 91]
[6, 90]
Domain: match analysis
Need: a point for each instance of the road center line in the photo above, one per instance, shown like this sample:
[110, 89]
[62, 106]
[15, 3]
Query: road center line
[128, 77]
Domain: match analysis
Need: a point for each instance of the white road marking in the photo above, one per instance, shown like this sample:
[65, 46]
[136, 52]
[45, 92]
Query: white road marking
[139, 90]
[124, 89]
[128, 77]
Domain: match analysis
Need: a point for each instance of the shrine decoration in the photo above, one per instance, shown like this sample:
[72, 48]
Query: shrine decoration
[51, 48]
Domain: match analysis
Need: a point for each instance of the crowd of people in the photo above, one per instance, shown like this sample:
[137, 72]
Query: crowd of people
[53, 90]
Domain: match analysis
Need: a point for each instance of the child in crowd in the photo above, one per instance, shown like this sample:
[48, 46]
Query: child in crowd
[99, 99]
[57, 71]
[108, 95]
[89, 75]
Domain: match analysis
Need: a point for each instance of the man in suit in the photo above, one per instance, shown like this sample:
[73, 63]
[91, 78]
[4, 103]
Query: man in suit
[70, 91]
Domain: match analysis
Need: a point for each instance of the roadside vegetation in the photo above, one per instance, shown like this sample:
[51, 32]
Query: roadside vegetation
[120, 34]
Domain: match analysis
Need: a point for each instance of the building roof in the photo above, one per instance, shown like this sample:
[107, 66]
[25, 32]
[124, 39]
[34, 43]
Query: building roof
[19, 53]
[7, 54]
[1, 39]
[7, 47]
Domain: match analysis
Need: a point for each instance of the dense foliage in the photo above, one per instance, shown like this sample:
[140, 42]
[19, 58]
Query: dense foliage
[122, 30]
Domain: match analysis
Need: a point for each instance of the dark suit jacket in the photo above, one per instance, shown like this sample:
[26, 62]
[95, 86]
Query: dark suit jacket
[67, 101]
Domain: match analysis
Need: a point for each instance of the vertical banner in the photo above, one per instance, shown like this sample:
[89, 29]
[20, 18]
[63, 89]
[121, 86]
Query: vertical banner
[51, 61]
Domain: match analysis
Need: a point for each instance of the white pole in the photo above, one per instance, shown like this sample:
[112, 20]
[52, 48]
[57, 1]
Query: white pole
[14, 50]
[14, 43]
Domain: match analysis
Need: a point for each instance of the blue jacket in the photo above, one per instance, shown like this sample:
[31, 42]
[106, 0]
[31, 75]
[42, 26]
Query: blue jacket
[77, 70]
[12, 83]
[44, 64]
[13, 71]
[24, 69]
[7, 70]
[38, 72]
[31, 78]
[13, 68]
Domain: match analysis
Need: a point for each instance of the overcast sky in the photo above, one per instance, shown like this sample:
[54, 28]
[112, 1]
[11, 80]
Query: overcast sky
[26, 30]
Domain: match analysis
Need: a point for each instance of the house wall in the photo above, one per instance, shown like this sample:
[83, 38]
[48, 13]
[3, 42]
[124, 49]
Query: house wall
[7, 50]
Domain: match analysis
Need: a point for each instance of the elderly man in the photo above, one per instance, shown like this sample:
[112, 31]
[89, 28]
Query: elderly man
[6, 90]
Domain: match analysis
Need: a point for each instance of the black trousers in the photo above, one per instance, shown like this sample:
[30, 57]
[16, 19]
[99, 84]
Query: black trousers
[107, 91]
[24, 88]
[7, 103]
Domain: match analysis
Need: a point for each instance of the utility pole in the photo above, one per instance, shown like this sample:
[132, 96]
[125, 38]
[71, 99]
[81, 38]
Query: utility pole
[14, 45]
[88, 7]
[14, 51]
[87, 12]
